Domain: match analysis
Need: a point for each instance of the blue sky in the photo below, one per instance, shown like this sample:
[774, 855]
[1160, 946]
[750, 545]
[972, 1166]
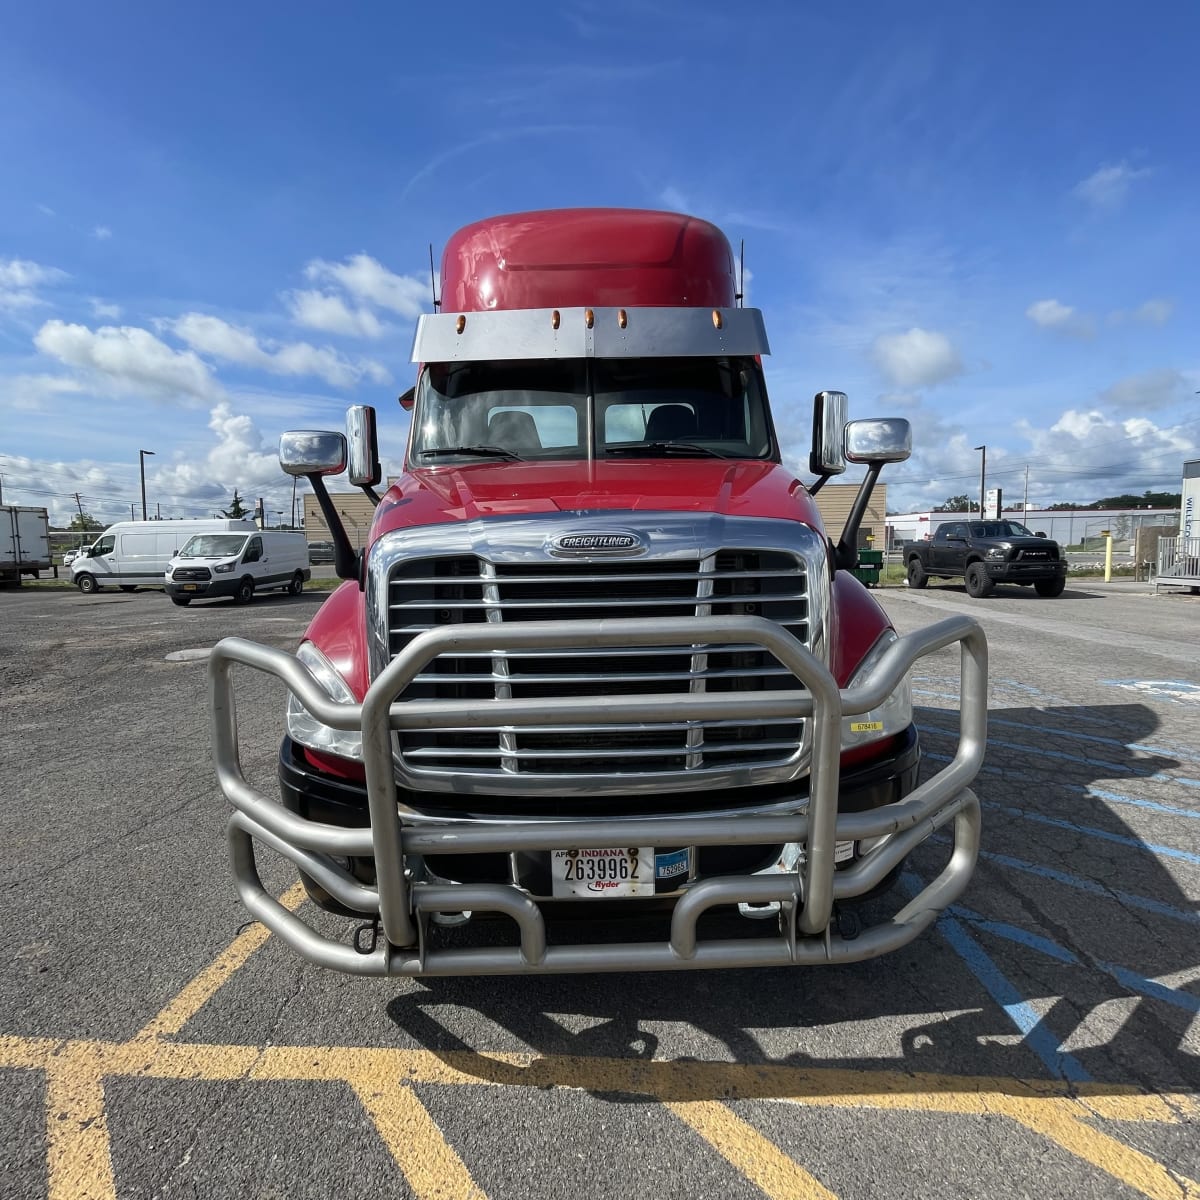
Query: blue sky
[214, 221]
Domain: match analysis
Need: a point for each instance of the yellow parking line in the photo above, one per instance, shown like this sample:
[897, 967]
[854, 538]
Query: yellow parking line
[756, 1157]
[1133, 1168]
[430, 1164]
[383, 1079]
[204, 986]
[78, 1155]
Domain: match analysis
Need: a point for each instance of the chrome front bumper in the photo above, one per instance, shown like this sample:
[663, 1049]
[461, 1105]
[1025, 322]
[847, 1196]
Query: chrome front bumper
[806, 896]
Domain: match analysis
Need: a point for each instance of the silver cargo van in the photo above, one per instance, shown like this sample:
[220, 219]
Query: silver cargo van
[238, 564]
[134, 554]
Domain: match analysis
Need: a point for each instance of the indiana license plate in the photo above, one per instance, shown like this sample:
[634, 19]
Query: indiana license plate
[603, 873]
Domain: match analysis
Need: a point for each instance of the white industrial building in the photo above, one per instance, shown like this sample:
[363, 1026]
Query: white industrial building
[1082, 528]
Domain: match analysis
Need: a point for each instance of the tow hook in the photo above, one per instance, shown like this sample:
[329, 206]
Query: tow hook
[366, 937]
[848, 924]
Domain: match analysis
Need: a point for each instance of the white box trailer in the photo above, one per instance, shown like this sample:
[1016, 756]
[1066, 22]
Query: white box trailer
[133, 554]
[24, 542]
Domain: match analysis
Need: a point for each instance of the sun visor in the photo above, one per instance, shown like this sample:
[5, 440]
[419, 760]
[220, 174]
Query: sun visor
[544, 333]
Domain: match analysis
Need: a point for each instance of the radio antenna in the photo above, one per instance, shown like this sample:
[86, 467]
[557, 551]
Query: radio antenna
[741, 292]
[433, 281]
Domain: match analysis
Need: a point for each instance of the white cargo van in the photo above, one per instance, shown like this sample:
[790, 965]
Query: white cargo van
[133, 554]
[238, 564]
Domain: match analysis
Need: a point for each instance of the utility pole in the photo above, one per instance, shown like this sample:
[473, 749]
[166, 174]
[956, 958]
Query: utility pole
[982, 478]
[79, 505]
[1025, 502]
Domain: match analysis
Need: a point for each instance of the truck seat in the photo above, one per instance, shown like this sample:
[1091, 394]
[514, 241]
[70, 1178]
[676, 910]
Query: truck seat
[670, 421]
[515, 431]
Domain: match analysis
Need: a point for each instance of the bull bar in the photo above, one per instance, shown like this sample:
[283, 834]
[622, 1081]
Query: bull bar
[806, 896]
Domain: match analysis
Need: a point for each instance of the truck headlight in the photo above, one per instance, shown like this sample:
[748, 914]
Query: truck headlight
[996, 552]
[221, 568]
[893, 716]
[304, 728]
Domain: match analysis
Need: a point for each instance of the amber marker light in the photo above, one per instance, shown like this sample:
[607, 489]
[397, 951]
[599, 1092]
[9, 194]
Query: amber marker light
[622, 318]
[555, 318]
[589, 317]
[718, 320]
[460, 324]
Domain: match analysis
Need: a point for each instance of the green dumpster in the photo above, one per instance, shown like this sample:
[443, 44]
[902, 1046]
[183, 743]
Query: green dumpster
[870, 562]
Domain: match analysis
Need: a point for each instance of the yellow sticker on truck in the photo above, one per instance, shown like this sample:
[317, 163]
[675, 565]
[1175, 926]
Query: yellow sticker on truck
[866, 726]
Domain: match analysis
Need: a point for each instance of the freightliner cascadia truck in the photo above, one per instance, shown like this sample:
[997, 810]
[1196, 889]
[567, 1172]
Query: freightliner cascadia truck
[599, 658]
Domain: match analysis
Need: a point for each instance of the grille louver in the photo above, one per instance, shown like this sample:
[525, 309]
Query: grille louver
[428, 592]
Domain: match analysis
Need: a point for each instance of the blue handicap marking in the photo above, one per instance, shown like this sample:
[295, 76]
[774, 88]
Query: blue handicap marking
[1177, 690]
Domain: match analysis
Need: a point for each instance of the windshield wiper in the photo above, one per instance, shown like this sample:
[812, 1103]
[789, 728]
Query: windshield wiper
[689, 448]
[478, 451]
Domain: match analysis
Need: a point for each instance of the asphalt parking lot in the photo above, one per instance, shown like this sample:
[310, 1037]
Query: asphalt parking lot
[1043, 1040]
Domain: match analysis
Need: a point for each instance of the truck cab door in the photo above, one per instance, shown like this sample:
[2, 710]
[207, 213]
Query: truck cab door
[949, 550]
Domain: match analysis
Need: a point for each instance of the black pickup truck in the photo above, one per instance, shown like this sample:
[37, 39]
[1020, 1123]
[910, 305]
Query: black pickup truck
[986, 553]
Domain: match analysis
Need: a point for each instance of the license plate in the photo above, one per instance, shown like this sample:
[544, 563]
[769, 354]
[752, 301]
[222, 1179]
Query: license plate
[190, 587]
[603, 873]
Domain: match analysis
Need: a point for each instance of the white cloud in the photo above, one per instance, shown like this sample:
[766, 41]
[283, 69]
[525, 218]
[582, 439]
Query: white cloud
[20, 280]
[104, 310]
[130, 357]
[1154, 312]
[240, 459]
[1157, 389]
[331, 314]
[370, 282]
[1107, 188]
[918, 358]
[101, 233]
[33, 392]
[219, 339]
[1062, 318]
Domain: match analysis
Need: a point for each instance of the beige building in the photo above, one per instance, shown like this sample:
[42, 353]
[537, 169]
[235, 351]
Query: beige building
[833, 502]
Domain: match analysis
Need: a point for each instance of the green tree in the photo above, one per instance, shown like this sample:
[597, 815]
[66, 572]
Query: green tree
[962, 503]
[237, 510]
[1147, 500]
[80, 524]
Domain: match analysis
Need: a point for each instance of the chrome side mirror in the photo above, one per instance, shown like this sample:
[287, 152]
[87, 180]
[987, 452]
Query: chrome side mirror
[881, 440]
[829, 421]
[312, 452]
[363, 441]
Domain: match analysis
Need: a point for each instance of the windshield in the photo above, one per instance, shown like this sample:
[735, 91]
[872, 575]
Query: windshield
[213, 545]
[547, 409]
[999, 529]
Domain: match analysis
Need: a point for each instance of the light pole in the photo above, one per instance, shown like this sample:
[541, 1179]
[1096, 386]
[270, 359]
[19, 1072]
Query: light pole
[142, 471]
[982, 477]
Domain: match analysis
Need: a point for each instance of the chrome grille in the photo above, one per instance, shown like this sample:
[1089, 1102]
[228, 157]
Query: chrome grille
[463, 588]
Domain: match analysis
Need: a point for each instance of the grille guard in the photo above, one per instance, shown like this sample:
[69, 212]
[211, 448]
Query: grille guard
[806, 896]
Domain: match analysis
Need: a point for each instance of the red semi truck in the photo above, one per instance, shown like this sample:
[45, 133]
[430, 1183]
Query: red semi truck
[599, 658]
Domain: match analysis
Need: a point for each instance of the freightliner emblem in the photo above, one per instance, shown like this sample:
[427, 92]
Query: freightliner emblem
[585, 545]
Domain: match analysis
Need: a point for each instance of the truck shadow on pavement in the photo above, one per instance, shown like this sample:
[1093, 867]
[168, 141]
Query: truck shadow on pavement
[1073, 956]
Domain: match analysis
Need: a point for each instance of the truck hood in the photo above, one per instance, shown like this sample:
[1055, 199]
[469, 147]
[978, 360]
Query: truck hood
[712, 486]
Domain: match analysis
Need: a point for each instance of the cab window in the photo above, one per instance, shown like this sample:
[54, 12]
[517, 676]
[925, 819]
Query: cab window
[103, 546]
[253, 550]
